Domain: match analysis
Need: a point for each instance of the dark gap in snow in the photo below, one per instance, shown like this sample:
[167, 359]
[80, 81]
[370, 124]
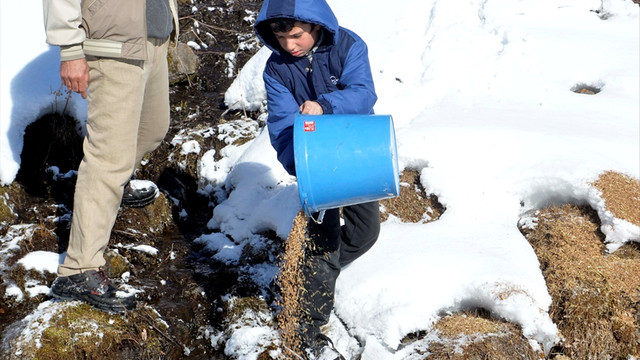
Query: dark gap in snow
[52, 147]
[586, 89]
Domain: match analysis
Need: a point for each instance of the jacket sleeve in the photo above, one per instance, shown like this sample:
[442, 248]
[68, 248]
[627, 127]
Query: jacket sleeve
[62, 20]
[282, 108]
[358, 95]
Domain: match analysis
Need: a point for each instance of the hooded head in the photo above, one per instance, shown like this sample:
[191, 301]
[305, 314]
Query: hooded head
[307, 11]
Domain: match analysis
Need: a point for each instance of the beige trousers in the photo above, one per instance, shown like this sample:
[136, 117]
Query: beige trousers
[128, 117]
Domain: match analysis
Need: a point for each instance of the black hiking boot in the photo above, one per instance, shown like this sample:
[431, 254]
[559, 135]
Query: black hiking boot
[94, 288]
[139, 193]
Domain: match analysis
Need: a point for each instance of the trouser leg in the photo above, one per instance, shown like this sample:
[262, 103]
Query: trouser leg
[154, 119]
[334, 246]
[321, 269]
[360, 230]
[111, 149]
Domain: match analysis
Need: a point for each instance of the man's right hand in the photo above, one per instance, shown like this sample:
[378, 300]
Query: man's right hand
[75, 75]
[311, 108]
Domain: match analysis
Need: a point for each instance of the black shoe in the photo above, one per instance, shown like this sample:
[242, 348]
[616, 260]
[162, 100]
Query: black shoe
[94, 288]
[139, 193]
[320, 347]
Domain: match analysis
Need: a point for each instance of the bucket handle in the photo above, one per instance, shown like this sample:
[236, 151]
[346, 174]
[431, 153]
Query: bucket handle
[320, 214]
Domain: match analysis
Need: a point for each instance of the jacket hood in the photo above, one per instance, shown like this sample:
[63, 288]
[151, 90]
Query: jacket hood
[311, 11]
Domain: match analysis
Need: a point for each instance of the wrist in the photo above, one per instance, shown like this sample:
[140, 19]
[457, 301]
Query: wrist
[325, 105]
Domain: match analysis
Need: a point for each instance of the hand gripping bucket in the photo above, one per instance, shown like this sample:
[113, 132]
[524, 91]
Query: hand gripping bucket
[344, 160]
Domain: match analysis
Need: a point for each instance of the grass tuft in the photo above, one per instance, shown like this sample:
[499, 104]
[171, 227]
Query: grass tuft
[412, 205]
[595, 295]
[475, 335]
[621, 194]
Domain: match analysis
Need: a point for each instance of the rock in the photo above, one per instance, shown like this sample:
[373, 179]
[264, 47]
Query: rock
[183, 63]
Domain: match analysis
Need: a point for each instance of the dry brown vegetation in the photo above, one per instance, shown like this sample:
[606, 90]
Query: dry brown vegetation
[474, 335]
[413, 203]
[80, 332]
[596, 296]
[621, 194]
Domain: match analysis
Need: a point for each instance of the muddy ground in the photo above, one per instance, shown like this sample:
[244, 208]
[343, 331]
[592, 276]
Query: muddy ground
[185, 299]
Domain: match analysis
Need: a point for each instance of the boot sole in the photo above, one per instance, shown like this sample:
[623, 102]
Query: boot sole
[142, 202]
[120, 308]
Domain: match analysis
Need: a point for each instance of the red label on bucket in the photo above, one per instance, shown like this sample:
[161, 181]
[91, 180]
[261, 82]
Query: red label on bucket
[309, 126]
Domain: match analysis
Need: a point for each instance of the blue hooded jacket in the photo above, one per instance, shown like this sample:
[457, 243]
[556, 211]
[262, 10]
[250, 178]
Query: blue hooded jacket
[338, 78]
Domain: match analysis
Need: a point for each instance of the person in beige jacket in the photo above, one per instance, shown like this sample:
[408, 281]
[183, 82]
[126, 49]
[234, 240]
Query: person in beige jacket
[114, 54]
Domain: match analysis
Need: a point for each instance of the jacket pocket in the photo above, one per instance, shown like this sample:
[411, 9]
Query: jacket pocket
[94, 6]
[116, 20]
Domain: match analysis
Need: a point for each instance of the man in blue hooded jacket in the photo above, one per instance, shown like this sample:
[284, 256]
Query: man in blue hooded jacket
[317, 67]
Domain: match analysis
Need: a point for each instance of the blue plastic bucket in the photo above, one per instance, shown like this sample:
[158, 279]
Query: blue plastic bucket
[344, 160]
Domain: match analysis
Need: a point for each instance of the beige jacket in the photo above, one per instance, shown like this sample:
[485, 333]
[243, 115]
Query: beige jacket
[108, 28]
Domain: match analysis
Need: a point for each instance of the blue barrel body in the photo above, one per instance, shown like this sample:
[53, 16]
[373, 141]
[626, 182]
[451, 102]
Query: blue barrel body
[344, 160]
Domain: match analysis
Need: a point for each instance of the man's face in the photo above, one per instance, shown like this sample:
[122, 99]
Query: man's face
[299, 40]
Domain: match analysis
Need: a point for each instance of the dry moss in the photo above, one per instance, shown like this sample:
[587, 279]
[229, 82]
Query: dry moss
[413, 205]
[31, 238]
[244, 131]
[155, 218]
[11, 197]
[43, 239]
[7, 215]
[116, 264]
[595, 296]
[239, 307]
[81, 332]
[248, 311]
